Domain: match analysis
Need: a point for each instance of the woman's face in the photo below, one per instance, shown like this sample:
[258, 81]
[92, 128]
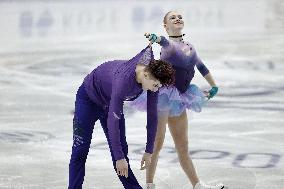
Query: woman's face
[150, 83]
[174, 22]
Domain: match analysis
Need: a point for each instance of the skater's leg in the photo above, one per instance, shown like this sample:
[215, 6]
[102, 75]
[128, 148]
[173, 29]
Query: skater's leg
[159, 141]
[179, 130]
[84, 119]
[130, 182]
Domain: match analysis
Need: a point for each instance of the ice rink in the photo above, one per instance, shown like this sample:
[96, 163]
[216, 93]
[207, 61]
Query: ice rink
[237, 139]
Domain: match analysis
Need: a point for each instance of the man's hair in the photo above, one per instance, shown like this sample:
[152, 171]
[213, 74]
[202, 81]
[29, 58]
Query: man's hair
[162, 71]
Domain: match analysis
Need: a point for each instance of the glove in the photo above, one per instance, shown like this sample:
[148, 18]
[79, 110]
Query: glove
[152, 38]
[213, 91]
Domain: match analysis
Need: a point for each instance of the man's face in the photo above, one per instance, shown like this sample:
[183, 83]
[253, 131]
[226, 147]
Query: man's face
[150, 83]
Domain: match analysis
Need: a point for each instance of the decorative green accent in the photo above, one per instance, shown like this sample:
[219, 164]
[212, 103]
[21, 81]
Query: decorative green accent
[213, 92]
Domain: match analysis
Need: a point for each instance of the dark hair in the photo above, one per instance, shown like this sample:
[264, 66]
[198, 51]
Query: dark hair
[162, 71]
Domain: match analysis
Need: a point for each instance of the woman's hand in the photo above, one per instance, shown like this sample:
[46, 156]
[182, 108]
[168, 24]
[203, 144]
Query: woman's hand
[122, 167]
[152, 38]
[146, 160]
[213, 91]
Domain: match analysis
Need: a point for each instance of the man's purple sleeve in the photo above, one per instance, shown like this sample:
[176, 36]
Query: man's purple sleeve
[152, 120]
[114, 115]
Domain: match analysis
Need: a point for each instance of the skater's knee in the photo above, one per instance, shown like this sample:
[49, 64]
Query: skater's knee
[182, 148]
[80, 153]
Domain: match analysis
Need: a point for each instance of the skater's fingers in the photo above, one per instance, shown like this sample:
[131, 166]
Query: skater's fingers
[142, 162]
[117, 169]
[123, 173]
[144, 166]
[147, 163]
[126, 173]
[118, 172]
[147, 34]
[206, 93]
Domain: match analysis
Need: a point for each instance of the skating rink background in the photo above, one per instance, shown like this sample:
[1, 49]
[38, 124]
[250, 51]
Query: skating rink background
[47, 48]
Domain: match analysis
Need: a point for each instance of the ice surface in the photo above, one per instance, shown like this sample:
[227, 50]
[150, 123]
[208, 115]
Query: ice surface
[237, 139]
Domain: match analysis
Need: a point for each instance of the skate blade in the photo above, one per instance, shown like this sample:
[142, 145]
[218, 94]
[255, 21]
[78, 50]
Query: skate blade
[224, 187]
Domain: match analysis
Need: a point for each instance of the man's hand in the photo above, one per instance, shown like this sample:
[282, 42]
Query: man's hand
[146, 161]
[122, 167]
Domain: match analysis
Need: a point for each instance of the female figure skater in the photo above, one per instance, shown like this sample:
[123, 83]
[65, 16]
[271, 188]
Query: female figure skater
[101, 97]
[173, 101]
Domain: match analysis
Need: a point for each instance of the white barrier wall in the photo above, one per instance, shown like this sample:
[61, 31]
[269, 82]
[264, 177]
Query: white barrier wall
[39, 25]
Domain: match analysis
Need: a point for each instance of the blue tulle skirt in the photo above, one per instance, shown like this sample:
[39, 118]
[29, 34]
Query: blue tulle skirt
[172, 102]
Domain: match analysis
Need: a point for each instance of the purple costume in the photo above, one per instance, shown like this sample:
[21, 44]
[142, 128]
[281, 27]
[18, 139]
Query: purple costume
[101, 97]
[183, 95]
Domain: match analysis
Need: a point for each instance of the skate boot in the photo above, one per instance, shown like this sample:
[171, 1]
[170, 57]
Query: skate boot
[201, 185]
[150, 186]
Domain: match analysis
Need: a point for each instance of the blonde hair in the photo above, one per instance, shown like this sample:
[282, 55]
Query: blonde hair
[165, 17]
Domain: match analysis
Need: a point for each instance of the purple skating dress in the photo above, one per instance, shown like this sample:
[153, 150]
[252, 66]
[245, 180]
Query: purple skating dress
[183, 95]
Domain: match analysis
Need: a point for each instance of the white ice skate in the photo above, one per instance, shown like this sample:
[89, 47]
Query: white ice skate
[150, 186]
[201, 185]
